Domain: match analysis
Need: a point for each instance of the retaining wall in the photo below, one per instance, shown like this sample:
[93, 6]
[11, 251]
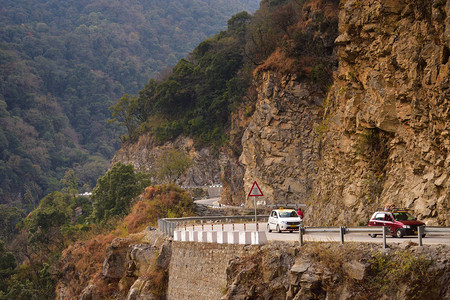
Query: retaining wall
[198, 270]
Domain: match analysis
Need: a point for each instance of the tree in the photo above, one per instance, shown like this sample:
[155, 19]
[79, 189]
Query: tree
[7, 265]
[113, 193]
[238, 23]
[70, 183]
[171, 165]
[43, 224]
[122, 113]
[9, 218]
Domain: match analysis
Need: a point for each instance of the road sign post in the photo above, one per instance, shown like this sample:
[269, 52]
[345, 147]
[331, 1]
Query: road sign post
[255, 191]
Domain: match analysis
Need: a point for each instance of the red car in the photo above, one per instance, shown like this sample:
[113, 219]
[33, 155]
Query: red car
[399, 221]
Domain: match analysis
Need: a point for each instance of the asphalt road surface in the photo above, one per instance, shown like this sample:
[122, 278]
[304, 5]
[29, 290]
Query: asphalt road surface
[208, 202]
[431, 238]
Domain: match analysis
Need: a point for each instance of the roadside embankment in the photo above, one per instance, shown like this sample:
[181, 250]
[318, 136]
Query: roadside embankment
[283, 270]
[156, 267]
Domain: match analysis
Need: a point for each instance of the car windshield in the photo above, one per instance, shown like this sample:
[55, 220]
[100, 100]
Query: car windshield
[288, 214]
[403, 216]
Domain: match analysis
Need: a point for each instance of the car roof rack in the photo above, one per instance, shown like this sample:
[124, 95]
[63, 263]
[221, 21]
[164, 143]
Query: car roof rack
[400, 209]
[287, 205]
[393, 209]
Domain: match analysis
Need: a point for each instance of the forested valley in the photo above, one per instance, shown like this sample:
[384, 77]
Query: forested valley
[63, 63]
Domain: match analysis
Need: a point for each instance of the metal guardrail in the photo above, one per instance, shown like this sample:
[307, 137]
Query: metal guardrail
[374, 230]
[169, 225]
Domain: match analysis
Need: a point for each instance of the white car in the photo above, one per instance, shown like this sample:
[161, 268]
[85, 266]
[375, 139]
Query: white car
[284, 220]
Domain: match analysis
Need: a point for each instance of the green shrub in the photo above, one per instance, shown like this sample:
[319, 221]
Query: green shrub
[403, 266]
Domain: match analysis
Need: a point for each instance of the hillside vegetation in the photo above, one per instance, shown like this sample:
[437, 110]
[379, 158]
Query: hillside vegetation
[63, 63]
[197, 97]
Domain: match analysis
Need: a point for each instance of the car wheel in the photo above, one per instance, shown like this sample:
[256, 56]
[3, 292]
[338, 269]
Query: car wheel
[373, 235]
[398, 233]
[268, 228]
[291, 231]
[278, 228]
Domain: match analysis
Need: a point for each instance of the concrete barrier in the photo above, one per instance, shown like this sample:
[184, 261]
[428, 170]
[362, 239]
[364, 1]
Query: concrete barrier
[258, 238]
[245, 238]
[201, 236]
[233, 237]
[211, 236]
[185, 236]
[193, 237]
[222, 237]
[177, 235]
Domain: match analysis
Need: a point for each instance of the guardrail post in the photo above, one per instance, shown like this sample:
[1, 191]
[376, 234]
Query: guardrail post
[385, 229]
[300, 236]
[172, 228]
[342, 232]
[419, 234]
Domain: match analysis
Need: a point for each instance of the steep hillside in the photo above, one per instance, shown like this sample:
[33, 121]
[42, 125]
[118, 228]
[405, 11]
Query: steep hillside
[348, 110]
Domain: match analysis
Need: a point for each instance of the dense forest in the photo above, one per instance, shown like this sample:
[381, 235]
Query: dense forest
[63, 63]
[197, 97]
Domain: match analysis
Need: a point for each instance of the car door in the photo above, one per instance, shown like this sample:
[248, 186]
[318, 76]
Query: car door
[273, 219]
[378, 220]
[389, 222]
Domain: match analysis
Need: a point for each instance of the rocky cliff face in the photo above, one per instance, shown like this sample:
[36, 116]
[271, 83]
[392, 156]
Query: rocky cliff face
[384, 133]
[387, 114]
[280, 146]
[144, 152]
[120, 268]
[327, 271]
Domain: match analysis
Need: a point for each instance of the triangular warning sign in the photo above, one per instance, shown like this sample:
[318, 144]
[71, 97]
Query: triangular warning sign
[255, 190]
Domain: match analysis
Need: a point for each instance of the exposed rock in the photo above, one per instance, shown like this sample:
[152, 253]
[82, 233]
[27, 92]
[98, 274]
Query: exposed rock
[355, 270]
[280, 145]
[114, 265]
[141, 290]
[144, 152]
[310, 277]
[90, 293]
[382, 133]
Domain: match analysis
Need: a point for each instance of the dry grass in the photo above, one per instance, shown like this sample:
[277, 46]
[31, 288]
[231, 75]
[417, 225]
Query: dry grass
[158, 279]
[139, 218]
[279, 62]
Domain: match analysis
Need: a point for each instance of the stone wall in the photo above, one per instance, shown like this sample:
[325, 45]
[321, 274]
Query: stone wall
[198, 270]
